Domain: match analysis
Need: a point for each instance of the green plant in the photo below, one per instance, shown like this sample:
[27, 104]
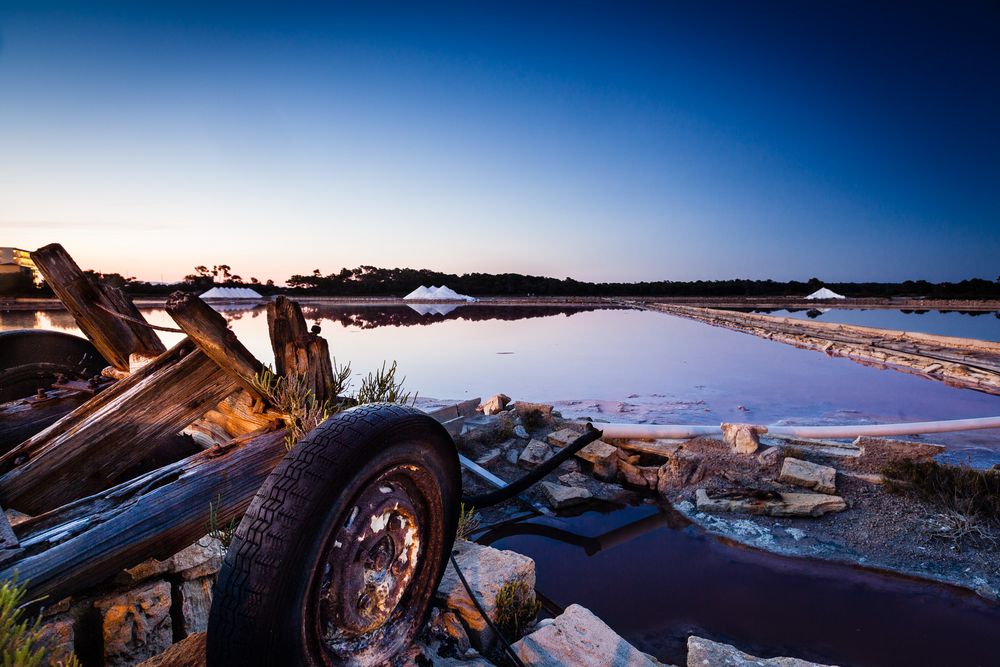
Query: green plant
[21, 641]
[296, 401]
[468, 522]
[381, 386]
[516, 608]
[224, 533]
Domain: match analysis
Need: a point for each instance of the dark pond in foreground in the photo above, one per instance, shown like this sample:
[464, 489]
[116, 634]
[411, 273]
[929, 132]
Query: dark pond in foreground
[656, 580]
[619, 365]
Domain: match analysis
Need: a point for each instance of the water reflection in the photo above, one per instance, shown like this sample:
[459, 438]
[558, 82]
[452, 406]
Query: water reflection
[656, 579]
[981, 324]
[619, 365]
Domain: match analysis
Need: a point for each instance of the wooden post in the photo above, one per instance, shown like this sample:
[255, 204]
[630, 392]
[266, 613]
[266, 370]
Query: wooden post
[209, 331]
[113, 337]
[297, 351]
[94, 446]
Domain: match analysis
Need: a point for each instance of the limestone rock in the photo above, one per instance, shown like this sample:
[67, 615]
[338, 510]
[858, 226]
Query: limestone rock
[135, 624]
[521, 432]
[769, 456]
[611, 493]
[706, 653]
[144, 571]
[579, 638]
[743, 438]
[682, 468]
[196, 602]
[489, 457]
[663, 447]
[201, 559]
[535, 452]
[809, 475]
[487, 570]
[494, 404]
[560, 496]
[189, 652]
[643, 477]
[563, 437]
[790, 504]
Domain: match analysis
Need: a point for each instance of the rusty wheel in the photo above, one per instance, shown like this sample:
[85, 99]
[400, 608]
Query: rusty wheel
[33, 358]
[340, 552]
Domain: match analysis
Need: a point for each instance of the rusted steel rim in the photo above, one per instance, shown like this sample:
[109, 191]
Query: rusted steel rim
[370, 560]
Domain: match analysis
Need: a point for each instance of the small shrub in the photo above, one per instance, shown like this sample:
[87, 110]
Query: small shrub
[468, 522]
[533, 420]
[957, 488]
[224, 533]
[516, 608]
[21, 641]
[381, 386]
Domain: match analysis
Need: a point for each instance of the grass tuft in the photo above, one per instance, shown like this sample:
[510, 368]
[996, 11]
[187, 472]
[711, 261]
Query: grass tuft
[958, 488]
[516, 608]
[468, 522]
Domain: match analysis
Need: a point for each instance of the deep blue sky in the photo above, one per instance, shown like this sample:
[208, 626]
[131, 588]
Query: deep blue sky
[605, 141]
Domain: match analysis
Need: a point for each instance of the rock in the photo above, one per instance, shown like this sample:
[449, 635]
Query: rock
[790, 504]
[602, 456]
[530, 412]
[663, 447]
[144, 571]
[682, 468]
[809, 475]
[521, 432]
[494, 404]
[743, 438]
[706, 653]
[769, 456]
[487, 570]
[201, 559]
[512, 456]
[562, 437]
[611, 493]
[561, 497]
[445, 627]
[196, 602]
[579, 638]
[489, 457]
[642, 477]
[189, 652]
[535, 452]
[57, 634]
[878, 452]
[136, 624]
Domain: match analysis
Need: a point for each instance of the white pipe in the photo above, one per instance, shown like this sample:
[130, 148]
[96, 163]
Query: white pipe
[653, 431]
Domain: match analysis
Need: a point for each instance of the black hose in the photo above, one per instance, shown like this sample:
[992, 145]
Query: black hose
[517, 486]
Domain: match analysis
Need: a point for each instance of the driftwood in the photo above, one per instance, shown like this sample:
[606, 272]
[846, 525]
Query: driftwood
[209, 331]
[155, 515]
[114, 338]
[94, 446]
[298, 351]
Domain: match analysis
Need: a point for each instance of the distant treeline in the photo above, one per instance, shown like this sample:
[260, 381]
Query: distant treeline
[374, 281]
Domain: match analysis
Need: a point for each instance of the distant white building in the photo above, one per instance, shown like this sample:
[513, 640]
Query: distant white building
[231, 294]
[824, 293]
[442, 293]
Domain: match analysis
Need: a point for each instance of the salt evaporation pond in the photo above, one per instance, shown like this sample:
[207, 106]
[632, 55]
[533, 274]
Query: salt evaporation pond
[619, 365]
[644, 570]
[984, 325]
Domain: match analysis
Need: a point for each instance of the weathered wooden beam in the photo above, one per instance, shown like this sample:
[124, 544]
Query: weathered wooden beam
[97, 444]
[153, 516]
[209, 331]
[23, 418]
[114, 338]
[297, 350]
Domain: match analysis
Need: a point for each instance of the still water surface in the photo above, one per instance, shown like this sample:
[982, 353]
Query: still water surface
[984, 325]
[619, 365]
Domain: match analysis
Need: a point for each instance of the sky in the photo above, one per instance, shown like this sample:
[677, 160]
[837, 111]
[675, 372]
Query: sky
[602, 141]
